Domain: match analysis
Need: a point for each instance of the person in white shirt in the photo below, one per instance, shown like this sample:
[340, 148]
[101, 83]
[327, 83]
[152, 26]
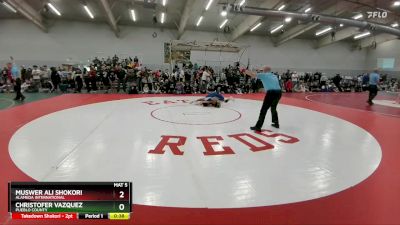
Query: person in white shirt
[205, 75]
[144, 81]
[46, 72]
[145, 89]
[166, 72]
[295, 77]
[323, 80]
[181, 74]
[222, 77]
[36, 73]
[150, 81]
[175, 74]
[156, 89]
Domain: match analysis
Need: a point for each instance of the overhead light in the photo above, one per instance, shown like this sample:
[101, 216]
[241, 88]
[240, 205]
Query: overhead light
[394, 25]
[162, 17]
[281, 7]
[223, 24]
[242, 2]
[307, 10]
[323, 31]
[255, 27]
[199, 21]
[164, 2]
[396, 3]
[358, 36]
[54, 9]
[288, 19]
[88, 11]
[276, 28]
[358, 16]
[208, 4]
[224, 13]
[9, 7]
[341, 25]
[133, 15]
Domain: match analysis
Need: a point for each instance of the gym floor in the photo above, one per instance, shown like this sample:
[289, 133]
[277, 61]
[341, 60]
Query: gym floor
[334, 159]
[7, 99]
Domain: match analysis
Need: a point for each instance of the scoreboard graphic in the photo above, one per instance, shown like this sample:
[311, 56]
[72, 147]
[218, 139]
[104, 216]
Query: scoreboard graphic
[70, 200]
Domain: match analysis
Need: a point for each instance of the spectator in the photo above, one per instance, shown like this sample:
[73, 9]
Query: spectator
[146, 89]
[4, 75]
[17, 89]
[55, 79]
[23, 73]
[336, 80]
[121, 78]
[179, 87]
[79, 83]
[289, 85]
[133, 89]
[323, 80]
[150, 81]
[93, 78]
[86, 79]
[156, 89]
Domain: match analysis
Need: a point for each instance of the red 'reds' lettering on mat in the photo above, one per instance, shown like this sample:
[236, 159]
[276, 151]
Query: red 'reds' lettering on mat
[174, 146]
[286, 138]
[240, 137]
[168, 102]
[208, 146]
[151, 103]
[184, 100]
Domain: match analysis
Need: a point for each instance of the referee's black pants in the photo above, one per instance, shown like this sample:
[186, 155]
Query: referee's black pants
[373, 91]
[17, 89]
[271, 99]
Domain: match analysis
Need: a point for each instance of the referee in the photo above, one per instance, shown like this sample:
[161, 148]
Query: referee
[373, 85]
[16, 75]
[273, 95]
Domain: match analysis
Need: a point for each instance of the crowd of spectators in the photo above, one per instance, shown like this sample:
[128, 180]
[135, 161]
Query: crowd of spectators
[319, 82]
[128, 75]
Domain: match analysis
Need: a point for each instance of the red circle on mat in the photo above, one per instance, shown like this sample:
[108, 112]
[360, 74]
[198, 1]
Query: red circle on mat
[157, 117]
[373, 201]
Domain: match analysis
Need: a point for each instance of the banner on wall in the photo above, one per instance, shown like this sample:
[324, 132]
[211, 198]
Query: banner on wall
[178, 56]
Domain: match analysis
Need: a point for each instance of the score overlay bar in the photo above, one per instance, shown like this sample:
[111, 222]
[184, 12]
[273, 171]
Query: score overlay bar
[60, 200]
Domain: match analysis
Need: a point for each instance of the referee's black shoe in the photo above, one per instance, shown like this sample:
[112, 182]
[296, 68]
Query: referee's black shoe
[255, 128]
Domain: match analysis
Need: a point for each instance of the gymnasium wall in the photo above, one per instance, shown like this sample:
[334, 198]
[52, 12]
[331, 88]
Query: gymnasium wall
[298, 55]
[77, 42]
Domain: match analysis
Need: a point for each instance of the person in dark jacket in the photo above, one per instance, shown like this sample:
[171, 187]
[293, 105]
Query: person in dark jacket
[17, 89]
[79, 83]
[121, 78]
[336, 80]
[55, 78]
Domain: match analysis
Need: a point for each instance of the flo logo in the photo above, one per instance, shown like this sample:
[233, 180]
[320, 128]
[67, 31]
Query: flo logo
[377, 14]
